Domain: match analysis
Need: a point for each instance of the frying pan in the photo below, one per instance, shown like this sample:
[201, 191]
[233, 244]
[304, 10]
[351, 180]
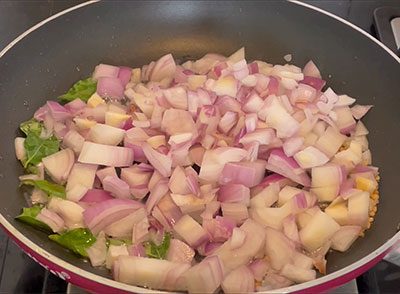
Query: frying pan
[46, 60]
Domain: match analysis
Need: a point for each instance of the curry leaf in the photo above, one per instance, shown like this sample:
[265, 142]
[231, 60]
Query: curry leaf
[49, 188]
[77, 240]
[82, 89]
[31, 125]
[159, 252]
[29, 215]
[36, 148]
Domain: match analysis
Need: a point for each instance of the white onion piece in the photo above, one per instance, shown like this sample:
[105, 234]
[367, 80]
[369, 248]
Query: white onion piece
[98, 251]
[113, 252]
[330, 142]
[263, 136]
[345, 100]
[104, 172]
[140, 232]
[361, 129]
[123, 228]
[240, 280]
[40, 114]
[105, 70]
[276, 116]
[57, 111]
[205, 277]
[106, 155]
[290, 229]
[163, 68]
[100, 215]
[286, 166]
[177, 182]
[71, 212]
[235, 211]
[136, 177]
[19, 148]
[179, 252]
[162, 163]
[278, 248]
[110, 88]
[238, 238]
[190, 231]
[345, 237]
[96, 195]
[327, 101]
[80, 180]
[266, 197]
[116, 187]
[244, 254]
[137, 250]
[214, 161]
[167, 212]
[358, 206]
[219, 229]
[176, 97]
[326, 181]
[345, 121]
[311, 70]
[52, 219]
[259, 268]
[156, 193]
[319, 230]
[72, 139]
[292, 145]
[104, 134]
[176, 121]
[59, 165]
[310, 157]
[298, 274]
[235, 193]
[359, 111]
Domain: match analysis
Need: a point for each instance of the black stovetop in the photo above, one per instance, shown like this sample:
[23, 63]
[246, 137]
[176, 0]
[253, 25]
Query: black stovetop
[20, 274]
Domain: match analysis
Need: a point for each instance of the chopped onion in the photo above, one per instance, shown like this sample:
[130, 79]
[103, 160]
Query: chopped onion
[319, 230]
[72, 139]
[179, 252]
[52, 219]
[135, 270]
[286, 166]
[59, 165]
[105, 70]
[311, 70]
[100, 215]
[190, 231]
[206, 276]
[104, 134]
[240, 280]
[214, 160]
[58, 112]
[235, 193]
[80, 180]
[116, 187]
[358, 111]
[96, 195]
[110, 88]
[106, 155]
[156, 193]
[310, 157]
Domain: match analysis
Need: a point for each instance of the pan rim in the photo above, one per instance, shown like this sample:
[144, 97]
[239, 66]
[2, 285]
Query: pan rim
[117, 285]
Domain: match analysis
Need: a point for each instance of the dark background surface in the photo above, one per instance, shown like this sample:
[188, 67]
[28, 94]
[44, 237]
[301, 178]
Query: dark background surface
[19, 274]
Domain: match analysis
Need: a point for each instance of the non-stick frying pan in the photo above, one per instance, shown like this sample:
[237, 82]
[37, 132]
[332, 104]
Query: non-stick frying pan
[47, 59]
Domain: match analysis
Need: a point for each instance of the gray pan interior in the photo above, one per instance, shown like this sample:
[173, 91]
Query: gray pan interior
[49, 60]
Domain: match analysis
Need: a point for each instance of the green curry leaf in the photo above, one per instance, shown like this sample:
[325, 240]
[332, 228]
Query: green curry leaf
[82, 89]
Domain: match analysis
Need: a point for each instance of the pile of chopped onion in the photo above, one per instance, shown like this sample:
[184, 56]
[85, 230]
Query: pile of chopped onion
[257, 169]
